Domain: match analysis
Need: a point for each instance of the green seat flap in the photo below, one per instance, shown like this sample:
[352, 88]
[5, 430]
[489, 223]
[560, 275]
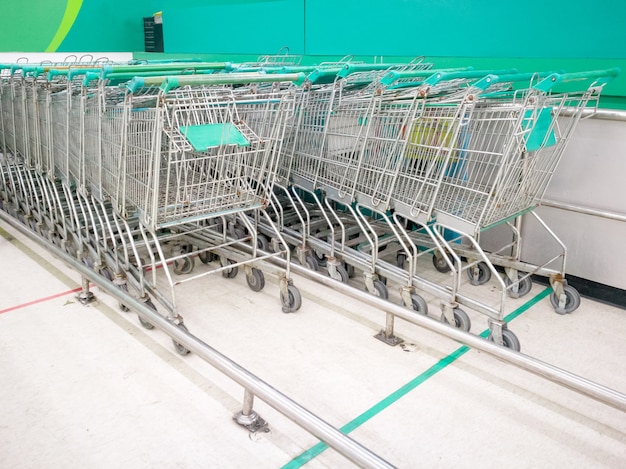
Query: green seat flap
[205, 136]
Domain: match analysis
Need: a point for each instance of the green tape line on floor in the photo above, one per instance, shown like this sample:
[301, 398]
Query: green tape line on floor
[314, 451]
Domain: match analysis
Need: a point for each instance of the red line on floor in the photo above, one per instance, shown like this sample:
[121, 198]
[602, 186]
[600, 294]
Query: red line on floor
[40, 300]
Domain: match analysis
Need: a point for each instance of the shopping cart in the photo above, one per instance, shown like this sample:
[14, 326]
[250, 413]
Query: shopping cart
[196, 153]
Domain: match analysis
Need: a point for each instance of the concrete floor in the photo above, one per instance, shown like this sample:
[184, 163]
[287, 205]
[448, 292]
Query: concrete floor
[87, 386]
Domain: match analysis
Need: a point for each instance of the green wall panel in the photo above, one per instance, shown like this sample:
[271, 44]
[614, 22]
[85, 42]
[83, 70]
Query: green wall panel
[29, 25]
[473, 28]
[233, 26]
[109, 26]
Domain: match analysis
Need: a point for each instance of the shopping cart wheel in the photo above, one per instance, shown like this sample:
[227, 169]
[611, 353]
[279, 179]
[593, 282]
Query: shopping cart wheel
[440, 264]
[232, 272]
[256, 279]
[418, 304]
[380, 290]
[572, 300]
[461, 320]
[349, 269]
[339, 273]
[262, 243]
[523, 287]
[206, 257]
[510, 340]
[147, 324]
[401, 258]
[311, 263]
[180, 348]
[479, 274]
[184, 265]
[292, 301]
[321, 258]
[123, 307]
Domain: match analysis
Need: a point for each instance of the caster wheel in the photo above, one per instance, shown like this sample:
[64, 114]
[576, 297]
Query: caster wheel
[339, 273]
[479, 274]
[418, 304]
[122, 306]
[293, 301]
[256, 280]
[206, 257]
[147, 324]
[180, 348]
[232, 272]
[380, 290]
[461, 320]
[183, 266]
[510, 340]
[262, 243]
[320, 258]
[311, 263]
[572, 300]
[440, 264]
[523, 286]
[401, 259]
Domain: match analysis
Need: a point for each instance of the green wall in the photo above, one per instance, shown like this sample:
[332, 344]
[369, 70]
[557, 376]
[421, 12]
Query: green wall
[74, 25]
[531, 35]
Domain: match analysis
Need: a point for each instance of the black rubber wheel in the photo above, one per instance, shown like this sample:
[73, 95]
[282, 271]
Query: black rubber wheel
[461, 320]
[523, 288]
[122, 306]
[262, 243]
[401, 258]
[311, 263]
[510, 340]
[321, 258]
[180, 348]
[572, 301]
[232, 272]
[350, 269]
[440, 264]
[380, 290]
[339, 273]
[293, 301]
[183, 266]
[206, 257]
[479, 274]
[239, 233]
[256, 279]
[146, 324]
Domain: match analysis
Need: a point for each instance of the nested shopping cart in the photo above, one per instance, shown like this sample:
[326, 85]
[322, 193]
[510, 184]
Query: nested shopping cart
[511, 149]
[198, 152]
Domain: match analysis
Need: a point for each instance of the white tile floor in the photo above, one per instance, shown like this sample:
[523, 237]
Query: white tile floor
[87, 386]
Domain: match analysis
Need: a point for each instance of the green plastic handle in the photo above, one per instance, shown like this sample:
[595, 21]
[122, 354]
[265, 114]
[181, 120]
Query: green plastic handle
[167, 83]
[465, 74]
[166, 67]
[322, 76]
[349, 69]
[599, 77]
[492, 79]
[394, 75]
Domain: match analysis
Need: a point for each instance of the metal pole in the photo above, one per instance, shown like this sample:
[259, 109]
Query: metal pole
[555, 374]
[584, 210]
[340, 442]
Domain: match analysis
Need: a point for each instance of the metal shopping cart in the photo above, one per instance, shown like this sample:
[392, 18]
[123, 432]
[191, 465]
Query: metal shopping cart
[196, 152]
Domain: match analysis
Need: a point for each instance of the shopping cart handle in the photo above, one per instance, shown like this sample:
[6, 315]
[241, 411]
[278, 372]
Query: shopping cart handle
[323, 75]
[469, 74]
[492, 79]
[167, 83]
[395, 75]
[166, 67]
[349, 69]
[599, 77]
